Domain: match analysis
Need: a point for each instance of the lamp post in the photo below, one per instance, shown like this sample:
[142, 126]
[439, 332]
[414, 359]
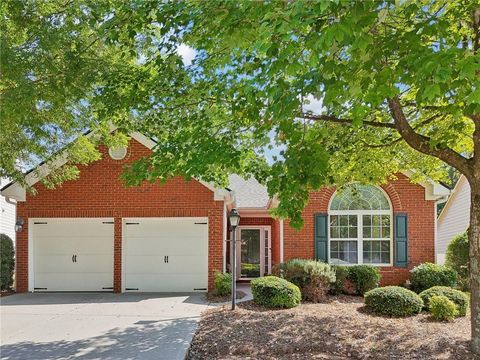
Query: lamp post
[234, 217]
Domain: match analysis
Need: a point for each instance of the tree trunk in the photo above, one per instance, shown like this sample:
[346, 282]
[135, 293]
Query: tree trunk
[474, 239]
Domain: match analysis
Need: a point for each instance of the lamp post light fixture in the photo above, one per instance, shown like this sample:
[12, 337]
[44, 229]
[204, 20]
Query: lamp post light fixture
[234, 218]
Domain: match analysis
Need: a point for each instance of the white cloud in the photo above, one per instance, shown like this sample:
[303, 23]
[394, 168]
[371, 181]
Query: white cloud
[313, 105]
[187, 53]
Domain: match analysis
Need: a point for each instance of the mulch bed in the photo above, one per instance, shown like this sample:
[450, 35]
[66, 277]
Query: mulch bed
[6, 292]
[338, 329]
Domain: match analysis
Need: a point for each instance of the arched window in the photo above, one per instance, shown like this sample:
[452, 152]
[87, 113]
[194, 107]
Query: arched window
[360, 226]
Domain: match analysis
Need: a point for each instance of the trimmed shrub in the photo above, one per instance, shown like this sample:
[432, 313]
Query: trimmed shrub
[312, 277]
[341, 274]
[364, 277]
[223, 283]
[442, 308]
[275, 292]
[7, 262]
[426, 275]
[393, 301]
[457, 258]
[457, 297]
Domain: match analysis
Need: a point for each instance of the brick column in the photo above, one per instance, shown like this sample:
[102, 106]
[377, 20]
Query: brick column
[117, 256]
[21, 256]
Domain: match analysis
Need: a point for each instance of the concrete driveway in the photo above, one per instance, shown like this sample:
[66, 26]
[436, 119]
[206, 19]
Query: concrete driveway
[98, 325]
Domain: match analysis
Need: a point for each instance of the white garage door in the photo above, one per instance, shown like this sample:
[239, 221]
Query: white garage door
[165, 254]
[72, 254]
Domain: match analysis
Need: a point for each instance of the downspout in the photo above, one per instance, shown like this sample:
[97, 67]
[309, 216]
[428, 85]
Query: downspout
[8, 200]
[281, 241]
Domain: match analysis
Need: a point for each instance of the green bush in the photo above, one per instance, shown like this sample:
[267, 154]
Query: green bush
[7, 262]
[275, 292]
[223, 283]
[458, 259]
[456, 296]
[312, 277]
[426, 275]
[364, 277]
[442, 308]
[341, 274]
[393, 301]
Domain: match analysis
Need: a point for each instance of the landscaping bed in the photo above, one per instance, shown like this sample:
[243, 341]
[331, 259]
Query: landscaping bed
[337, 329]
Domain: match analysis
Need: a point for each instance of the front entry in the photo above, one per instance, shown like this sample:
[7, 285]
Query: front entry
[253, 252]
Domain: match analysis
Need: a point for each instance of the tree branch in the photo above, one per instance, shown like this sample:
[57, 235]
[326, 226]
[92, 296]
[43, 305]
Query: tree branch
[421, 143]
[334, 119]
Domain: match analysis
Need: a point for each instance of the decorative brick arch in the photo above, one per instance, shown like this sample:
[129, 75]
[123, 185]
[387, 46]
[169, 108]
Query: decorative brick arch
[326, 194]
[325, 197]
[394, 197]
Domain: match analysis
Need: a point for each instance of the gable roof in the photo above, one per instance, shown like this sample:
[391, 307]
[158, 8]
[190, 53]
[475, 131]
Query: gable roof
[461, 185]
[249, 193]
[17, 191]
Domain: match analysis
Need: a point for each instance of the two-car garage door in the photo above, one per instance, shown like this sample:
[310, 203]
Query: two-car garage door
[158, 254]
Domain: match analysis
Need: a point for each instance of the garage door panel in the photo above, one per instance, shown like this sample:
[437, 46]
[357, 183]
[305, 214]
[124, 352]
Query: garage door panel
[84, 264]
[46, 245]
[177, 264]
[184, 241]
[68, 227]
[67, 281]
[144, 264]
[166, 283]
[169, 226]
[162, 245]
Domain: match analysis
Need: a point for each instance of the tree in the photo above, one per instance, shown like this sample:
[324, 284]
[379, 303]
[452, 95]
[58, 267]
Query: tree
[52, 61]
[395, 80]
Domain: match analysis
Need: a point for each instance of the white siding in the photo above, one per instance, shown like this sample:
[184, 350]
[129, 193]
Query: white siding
[7, 215]
[454, 218]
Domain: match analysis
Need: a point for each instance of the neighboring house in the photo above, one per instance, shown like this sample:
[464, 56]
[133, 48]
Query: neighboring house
[454, 218]
[7, 214]
[94, 234]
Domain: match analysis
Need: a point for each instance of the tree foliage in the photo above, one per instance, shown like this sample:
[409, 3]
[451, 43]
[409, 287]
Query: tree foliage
[53, 60]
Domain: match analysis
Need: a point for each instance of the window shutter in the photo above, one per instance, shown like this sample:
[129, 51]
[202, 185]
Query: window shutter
[321, 237]
[401, 240]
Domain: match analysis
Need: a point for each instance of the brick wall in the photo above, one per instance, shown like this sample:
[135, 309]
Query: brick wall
[405, 197]
[99, 193]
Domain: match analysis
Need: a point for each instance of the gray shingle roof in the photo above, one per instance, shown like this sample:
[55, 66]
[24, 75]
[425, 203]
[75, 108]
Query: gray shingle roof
[249, 193]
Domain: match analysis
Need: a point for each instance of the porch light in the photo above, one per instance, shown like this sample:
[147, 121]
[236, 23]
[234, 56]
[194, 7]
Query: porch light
[19, 225]
[234, 218]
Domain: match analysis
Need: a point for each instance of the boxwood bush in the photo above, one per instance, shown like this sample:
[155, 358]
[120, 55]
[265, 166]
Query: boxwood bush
[459, 298]
[393, 301]
[442, 308]
[457, 258]
[223, 283]
[426, 275]
[341, 274]
[275, 292]
[7, 262]
[364, 277]
[312, 277]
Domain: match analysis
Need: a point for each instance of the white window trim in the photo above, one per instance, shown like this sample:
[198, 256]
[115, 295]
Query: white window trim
[359, 237]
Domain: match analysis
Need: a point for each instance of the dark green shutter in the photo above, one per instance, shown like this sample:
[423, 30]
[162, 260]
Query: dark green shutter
[321, 237]
[401, 240]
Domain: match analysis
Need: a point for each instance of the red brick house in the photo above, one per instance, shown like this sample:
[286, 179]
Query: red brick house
[95, 234]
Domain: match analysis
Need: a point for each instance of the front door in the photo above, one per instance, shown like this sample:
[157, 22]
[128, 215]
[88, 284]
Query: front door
[253, 251]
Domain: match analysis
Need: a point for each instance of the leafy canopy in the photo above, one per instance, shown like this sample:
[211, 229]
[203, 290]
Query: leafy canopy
[257, 66]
